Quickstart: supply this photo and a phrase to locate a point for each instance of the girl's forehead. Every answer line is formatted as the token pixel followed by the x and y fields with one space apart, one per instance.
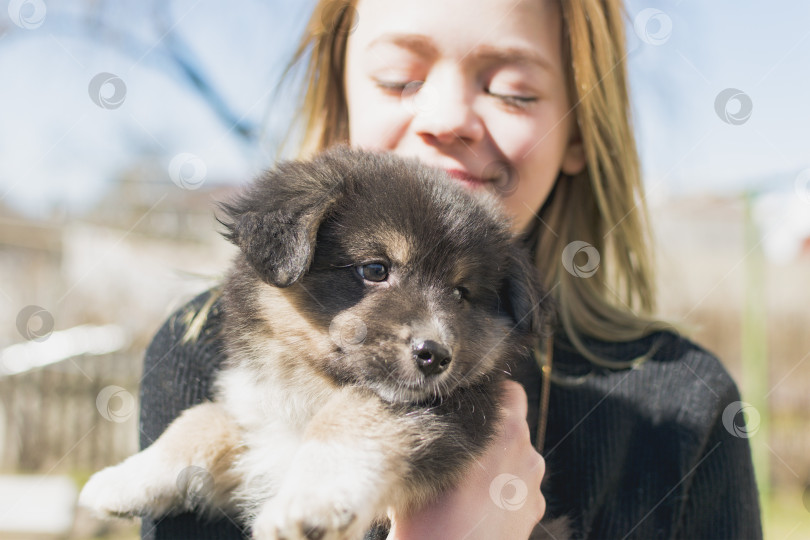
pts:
pixel 460 27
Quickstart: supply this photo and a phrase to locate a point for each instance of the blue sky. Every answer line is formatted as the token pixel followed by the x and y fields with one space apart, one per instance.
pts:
pixel 60 149
pixel 760 48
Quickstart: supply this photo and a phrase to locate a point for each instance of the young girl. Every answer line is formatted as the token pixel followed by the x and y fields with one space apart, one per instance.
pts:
pixel 527 98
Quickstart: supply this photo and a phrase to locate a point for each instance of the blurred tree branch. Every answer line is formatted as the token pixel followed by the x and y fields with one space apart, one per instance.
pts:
pixel 179 56
pixel 189 67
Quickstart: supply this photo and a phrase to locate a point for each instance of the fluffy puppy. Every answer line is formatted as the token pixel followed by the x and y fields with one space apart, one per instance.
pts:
pixel 372 309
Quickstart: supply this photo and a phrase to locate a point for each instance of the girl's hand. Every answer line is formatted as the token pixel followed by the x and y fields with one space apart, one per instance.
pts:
pixel 500 495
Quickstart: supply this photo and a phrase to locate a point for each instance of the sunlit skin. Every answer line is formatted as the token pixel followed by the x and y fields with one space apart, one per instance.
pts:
pixel 472 91
pixel 475 89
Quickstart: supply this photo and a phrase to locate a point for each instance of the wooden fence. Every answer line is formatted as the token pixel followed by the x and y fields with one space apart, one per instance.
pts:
pixel 79 414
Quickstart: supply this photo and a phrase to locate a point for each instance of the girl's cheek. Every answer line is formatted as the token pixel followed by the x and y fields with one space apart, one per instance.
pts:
pixel 370 118
pixel 516 141
pixel 528 138
pixel 379 128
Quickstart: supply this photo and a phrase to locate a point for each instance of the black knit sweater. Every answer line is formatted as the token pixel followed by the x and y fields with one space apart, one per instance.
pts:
pixel 631 453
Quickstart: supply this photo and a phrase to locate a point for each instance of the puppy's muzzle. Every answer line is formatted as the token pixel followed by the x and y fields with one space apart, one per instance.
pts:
pixel 431 357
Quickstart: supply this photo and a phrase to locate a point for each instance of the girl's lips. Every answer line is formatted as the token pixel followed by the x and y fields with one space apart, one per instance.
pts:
pixel 466 177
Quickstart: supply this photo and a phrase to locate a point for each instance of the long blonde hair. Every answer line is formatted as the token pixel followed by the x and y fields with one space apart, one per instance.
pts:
pixel 602 206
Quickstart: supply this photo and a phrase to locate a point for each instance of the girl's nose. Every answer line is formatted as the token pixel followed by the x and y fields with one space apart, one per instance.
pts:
pixel 443 111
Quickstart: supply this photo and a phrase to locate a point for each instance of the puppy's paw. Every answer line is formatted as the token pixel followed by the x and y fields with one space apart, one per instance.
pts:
pixel 132 488
pixel 331 492
pixel 307 517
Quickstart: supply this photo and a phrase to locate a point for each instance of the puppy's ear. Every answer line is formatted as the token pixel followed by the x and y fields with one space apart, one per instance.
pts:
pixel 532 309
pixel 275 222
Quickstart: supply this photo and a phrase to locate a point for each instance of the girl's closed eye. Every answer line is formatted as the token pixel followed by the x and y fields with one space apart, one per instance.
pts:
pixel 397 85
pixel 392 68
pixel 510 86
pixel 513 100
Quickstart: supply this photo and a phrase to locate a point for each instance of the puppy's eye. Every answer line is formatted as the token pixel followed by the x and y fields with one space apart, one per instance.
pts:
pixel 461 293
pixel 373 272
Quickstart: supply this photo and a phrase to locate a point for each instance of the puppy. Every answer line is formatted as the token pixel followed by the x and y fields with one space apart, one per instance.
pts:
pixel 370 314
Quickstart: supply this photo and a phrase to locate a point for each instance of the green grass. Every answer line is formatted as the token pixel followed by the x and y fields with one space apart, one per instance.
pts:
pixel 787 518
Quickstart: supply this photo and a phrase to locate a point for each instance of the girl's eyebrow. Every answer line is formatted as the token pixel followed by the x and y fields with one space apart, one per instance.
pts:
pixel 417 43
pixel 423 46
pixel 510 55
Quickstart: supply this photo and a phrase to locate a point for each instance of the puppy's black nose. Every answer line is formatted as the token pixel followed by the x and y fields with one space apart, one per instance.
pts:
pixel 431 358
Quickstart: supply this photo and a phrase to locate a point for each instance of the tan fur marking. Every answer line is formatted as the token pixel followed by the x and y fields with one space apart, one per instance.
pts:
pixel 289 325
pixel 399 247
pixel 205 436
pixel 463 271
pixel 351 415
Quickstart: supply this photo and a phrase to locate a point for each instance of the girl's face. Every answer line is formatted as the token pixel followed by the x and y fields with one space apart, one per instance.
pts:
pixel 475 88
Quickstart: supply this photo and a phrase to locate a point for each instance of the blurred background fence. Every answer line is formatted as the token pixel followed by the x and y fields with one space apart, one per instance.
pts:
pixel 79 414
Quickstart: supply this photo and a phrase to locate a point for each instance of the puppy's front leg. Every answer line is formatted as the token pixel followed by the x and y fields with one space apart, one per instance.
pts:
pixel 188 466
pixel 350 464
